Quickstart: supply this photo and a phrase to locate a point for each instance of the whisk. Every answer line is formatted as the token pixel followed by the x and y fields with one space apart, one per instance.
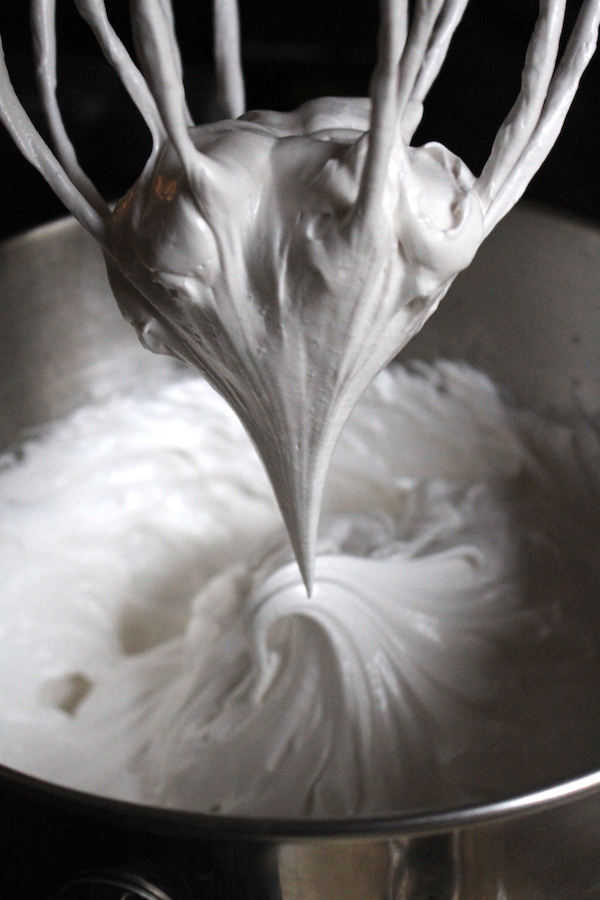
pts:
pixel 290 256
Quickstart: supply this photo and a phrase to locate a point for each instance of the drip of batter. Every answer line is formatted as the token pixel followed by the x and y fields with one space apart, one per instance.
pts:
pixel 289 257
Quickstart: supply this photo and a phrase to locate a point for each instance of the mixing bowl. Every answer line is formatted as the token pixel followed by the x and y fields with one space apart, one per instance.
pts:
pixel 528 313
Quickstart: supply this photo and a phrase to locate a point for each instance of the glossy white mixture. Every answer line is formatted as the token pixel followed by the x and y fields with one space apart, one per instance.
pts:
pixel 290 256
pixel 158 643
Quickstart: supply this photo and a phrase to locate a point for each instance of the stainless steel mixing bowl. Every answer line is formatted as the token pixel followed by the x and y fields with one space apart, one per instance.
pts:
pixel 528 313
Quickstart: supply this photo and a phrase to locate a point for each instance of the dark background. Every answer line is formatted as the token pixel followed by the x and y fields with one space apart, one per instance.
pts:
pixel 293 50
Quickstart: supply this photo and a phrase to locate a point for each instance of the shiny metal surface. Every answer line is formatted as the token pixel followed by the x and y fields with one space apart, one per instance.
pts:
pixel 63 341
pixel 528 313
pixel 109 886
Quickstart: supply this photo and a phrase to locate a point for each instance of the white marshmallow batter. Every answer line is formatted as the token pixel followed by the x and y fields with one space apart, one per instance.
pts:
pixel 158 644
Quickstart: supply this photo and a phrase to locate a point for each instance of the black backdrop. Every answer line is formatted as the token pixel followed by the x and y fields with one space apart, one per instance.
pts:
pixel 294 50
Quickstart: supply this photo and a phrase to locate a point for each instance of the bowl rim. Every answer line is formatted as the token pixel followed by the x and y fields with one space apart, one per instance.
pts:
pixel 185 823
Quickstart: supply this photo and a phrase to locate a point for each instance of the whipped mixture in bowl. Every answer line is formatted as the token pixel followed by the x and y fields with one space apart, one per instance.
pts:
pixel 159 644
